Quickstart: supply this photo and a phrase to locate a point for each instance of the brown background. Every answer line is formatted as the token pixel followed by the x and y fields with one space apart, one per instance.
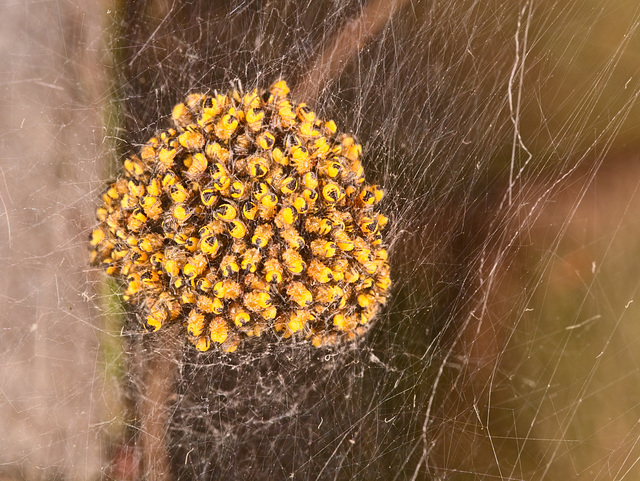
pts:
pixel 540 355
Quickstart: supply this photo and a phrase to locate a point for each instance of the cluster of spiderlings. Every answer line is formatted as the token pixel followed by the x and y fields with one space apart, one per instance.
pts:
pixel 251 214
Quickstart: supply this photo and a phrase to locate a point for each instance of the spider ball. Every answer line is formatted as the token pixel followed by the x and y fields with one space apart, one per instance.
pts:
pixel 251 214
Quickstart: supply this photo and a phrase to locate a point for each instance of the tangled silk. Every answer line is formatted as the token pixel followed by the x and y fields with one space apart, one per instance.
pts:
pixel 252 214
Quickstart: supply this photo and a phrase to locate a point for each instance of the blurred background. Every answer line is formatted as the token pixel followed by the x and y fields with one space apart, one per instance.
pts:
pixel 507 137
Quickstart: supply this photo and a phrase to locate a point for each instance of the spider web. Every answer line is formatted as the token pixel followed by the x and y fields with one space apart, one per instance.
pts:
pixel 505 136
